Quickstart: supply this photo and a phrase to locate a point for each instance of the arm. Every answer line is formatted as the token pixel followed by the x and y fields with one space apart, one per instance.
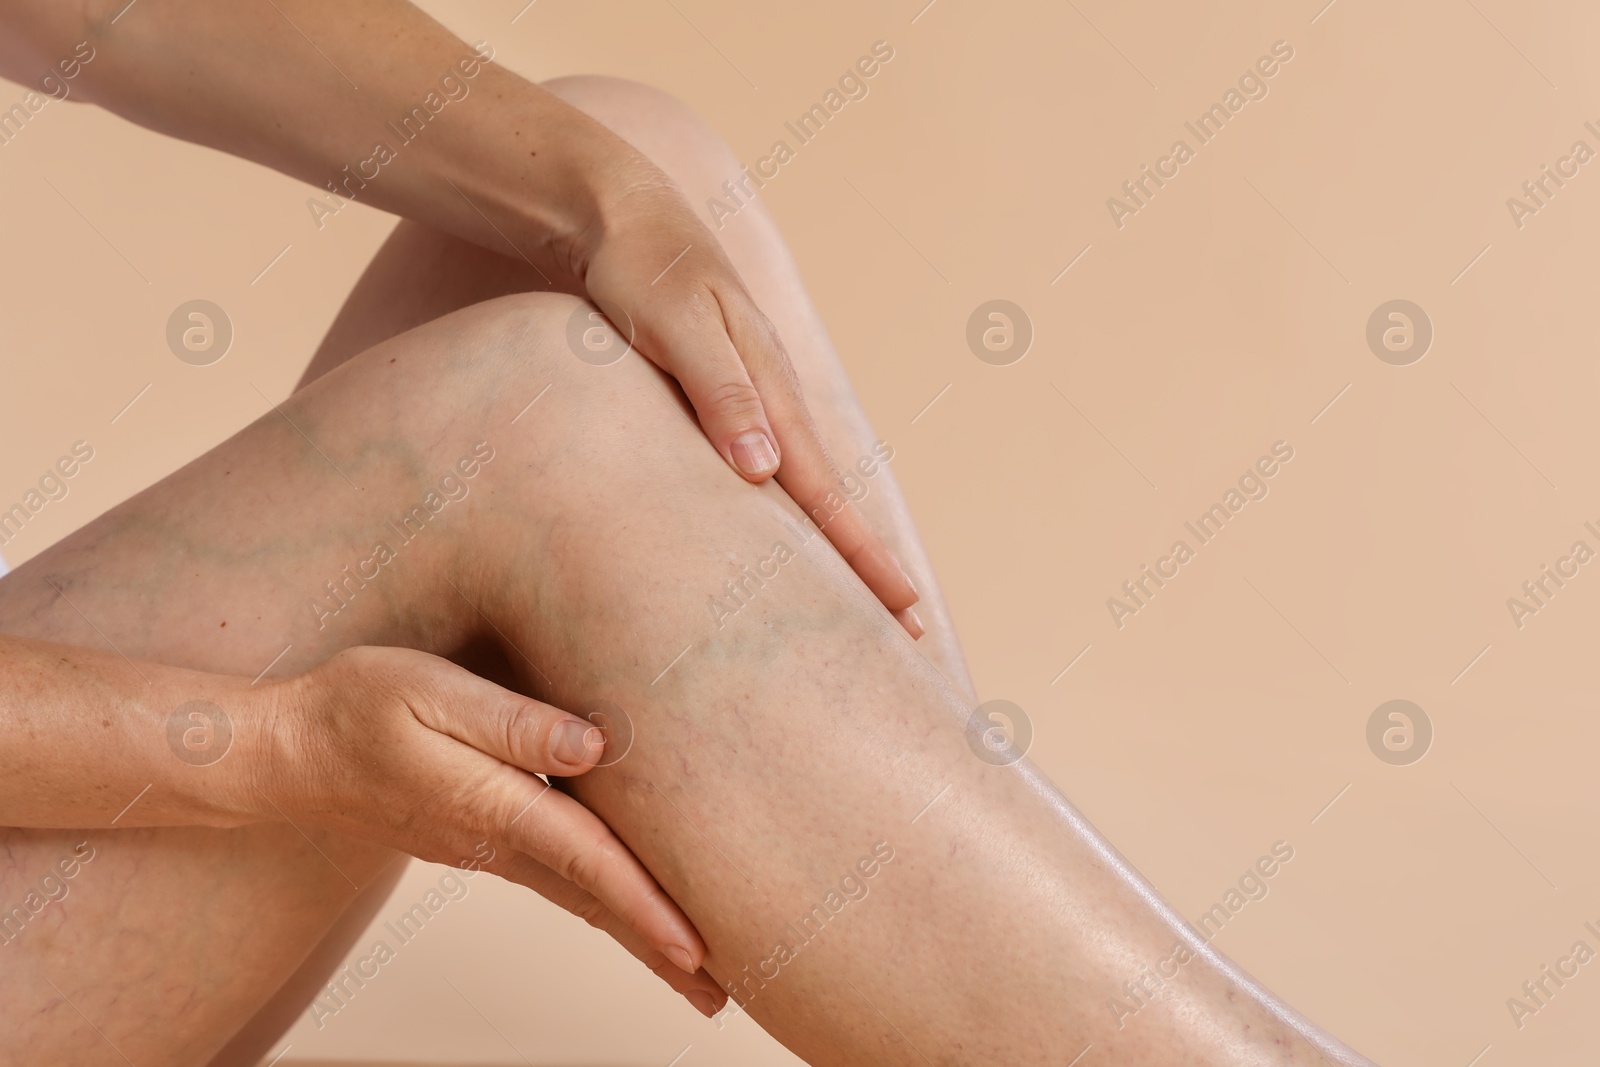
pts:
pixel 366 744
pixel 374 101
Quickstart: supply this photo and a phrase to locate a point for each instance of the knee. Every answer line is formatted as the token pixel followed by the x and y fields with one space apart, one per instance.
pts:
pixel 500 349
pixel 622 102
pixel 542 334
pixel 517 320
pixel 673 135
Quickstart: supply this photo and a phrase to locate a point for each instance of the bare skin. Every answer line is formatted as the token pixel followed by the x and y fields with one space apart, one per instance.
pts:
pixel 807 712
pixel 421 274
pixel 437 131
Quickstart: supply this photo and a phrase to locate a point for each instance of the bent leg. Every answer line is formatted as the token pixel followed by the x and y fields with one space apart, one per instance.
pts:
pixel 802 781
pixel 419 276
pixel 594 542
pixel 514 611
pixel 422 273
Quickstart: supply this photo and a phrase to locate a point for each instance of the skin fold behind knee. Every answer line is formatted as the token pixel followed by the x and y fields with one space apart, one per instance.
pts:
pixel 594 548
pixel 212 569
pixel 766 697
pixel 807 711
pixel 422 273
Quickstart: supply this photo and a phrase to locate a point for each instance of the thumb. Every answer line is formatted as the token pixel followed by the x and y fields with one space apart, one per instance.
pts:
pixel 514 729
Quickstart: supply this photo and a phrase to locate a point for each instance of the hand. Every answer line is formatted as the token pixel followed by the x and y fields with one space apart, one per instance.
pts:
pixel 599 218
pixel 413 752
pixel 652 263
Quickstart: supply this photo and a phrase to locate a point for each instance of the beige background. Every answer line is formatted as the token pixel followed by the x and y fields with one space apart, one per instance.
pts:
pixel 1223 317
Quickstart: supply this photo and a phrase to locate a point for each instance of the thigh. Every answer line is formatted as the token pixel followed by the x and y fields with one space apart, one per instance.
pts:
pixel 421 273
pixel 166 578
pixel 871 885
pixel 244 562
pixel 262 558
pixel 874 881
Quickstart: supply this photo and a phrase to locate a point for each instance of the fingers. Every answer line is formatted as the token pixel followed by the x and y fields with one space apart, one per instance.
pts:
pixel 522 732
pixel 736 374
pixel 660 270
pixel 808 474
pixel 681 328
pixel 500 737
pixel 549 825
pixel 911 621
pixel 572 841
pixel 699 988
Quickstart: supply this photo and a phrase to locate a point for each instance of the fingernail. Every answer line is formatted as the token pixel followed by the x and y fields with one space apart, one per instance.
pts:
pixel 909 620
pixel 702 1002
pixel 680 956
pixel 753 454
pixel 909 584
pixel 572 741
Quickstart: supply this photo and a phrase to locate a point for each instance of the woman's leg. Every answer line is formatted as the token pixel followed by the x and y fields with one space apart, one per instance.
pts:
pixel 421 274
pixel 800 778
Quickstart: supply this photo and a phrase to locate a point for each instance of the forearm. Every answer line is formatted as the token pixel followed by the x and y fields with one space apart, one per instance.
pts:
pixel 790 750
pixel 83 733
pixel 367 100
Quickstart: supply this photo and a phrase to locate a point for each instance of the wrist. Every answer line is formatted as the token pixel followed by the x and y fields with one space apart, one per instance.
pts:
pixel 533 170
pixel 196 749
pixel 233 750
pixel 265 778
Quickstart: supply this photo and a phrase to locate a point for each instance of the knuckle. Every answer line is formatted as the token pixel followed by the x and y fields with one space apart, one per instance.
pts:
pixel 579 864
pixel 699 306
pixel 525 731
pixel 445 810
pixel 591 911
pixel 734 398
